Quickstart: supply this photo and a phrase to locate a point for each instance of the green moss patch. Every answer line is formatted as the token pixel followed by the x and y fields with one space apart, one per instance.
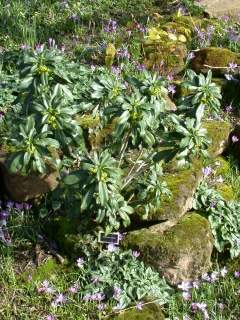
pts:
pixel 183 252
pixel 149 312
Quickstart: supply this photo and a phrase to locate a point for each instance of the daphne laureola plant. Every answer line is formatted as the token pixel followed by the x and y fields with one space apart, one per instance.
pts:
pixel 121 174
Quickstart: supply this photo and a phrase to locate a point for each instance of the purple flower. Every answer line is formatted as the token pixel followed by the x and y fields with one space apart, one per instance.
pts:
pixel 139 305
pixel 172 89
pixel 73 289
pixel 136 254
pixel 2 114
pixel 235 139
pixel 4 215
pixel 51 43
pixel 140 67
pixel 50 317
pixel 45 288
pixel 223 272
pixel 214 276
pixel 19 206
pixel 116 71
pixel 185 286
pixel 186 295
pixel 117 292
pixel 27 206
pixel 111 27
pixel 123 53
pixel 87 297
pixel 80 262
pixel 206 277
pixel 101 306
pixel 111 247
pixel 24 46
pixel 232 67
pixel 170 77
pixel 196 284
pixel 60 299
pixel 10 204
pixel 99 296
pixel 194 307
pixel 228 109
pixel 207 171
pixel 190 56
pixel 237 274
pixel 213 204
pixel 39 48
pixel 221 306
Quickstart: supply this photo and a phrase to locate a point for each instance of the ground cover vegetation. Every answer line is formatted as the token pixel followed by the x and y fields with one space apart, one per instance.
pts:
pixel 103 102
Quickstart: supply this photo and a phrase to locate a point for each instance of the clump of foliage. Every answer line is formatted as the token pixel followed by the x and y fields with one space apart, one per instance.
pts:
pixel 223 217
pixel 109 181
pixel 201 91
pixel 123 279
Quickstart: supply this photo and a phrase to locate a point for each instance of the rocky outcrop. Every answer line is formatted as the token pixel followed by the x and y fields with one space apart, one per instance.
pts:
pixel 182 253
pixel 23 188
pixel 221 7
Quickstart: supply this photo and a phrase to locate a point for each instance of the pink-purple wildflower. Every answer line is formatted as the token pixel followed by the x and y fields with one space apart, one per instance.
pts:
pixel 235 139
pixel 80 262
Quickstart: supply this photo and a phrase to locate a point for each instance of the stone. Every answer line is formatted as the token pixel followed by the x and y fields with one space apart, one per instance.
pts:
pixel 23 188
pixel 150 311
pixel 221 7
pixel 182 253
pixel 215 59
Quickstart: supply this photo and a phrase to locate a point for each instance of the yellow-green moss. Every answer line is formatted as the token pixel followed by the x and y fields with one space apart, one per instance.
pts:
pixel 49 269
pixel 150 312
pixel 221 166
pixel 218 132
pixel 226 191
pixel 88 121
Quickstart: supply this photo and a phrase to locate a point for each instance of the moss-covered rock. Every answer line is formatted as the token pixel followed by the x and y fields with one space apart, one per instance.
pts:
pixel 150 311
pixel 164 51
pixel 216 59
pixel 179 254
pixel 218 132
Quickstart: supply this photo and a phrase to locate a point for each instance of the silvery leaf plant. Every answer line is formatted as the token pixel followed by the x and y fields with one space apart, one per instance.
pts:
pixel 223 216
